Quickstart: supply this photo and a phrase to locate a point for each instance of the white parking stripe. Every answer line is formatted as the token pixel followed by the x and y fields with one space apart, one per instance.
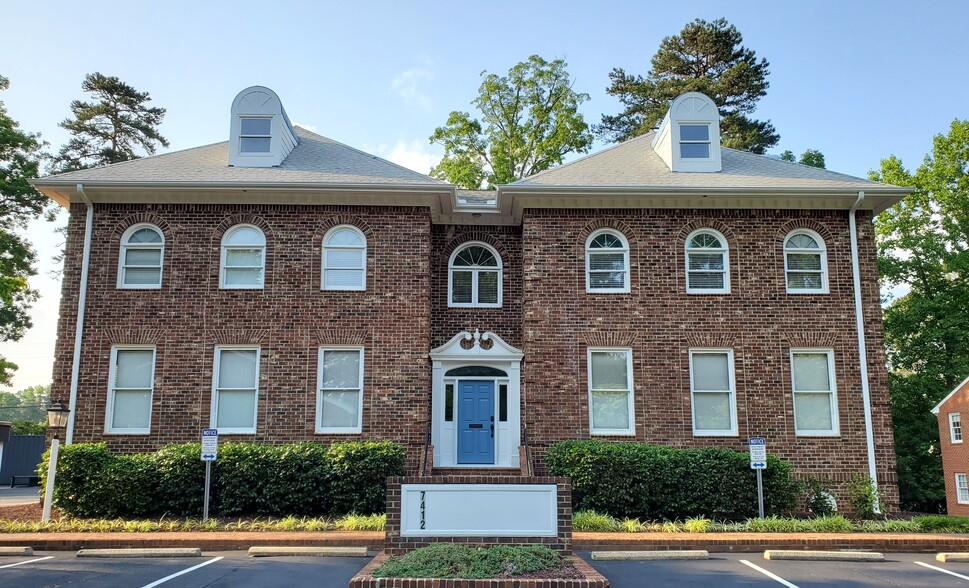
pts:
pixel 20 563
pixel 177 574
pixel 768 574
pixel 943 570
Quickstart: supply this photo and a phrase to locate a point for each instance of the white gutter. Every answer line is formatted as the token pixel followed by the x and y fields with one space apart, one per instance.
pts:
pixel 81 304
pixel 862 348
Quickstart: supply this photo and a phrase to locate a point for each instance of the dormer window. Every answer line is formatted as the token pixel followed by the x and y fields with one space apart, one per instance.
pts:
pixel 255 135
pixel 695 141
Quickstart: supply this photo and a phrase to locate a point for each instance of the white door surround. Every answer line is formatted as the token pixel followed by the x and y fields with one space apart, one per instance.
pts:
pixel 503 364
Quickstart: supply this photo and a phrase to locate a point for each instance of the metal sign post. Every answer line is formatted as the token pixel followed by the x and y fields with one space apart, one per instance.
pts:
pixel 210 451
pixel 758 462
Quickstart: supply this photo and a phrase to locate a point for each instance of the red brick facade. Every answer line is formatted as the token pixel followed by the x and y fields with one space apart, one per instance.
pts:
pixel 955 453
pixel 546 312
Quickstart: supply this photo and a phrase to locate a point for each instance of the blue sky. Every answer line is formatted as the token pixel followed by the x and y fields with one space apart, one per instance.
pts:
pixel 857 80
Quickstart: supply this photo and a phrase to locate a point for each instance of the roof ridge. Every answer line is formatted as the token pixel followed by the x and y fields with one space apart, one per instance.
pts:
pixel 583 158
pixel 371 155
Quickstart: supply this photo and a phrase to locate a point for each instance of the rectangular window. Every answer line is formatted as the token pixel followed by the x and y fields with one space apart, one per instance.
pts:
pixel 449 403
pixel 815 404
pixel 503 403
pixel 962 489
pixel 610 391
pixel 339 406
pixel 694 141
pixel 131 381
pixel 955 427
pixel 255 135
pixel 235 389
pixel 713 392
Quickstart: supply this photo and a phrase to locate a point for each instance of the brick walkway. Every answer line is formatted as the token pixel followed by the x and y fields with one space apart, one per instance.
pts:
pixel 714 542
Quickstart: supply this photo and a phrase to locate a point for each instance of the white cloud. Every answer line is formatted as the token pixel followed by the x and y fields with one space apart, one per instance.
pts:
pixel 410 154
pixel 310 128
pixel 406 85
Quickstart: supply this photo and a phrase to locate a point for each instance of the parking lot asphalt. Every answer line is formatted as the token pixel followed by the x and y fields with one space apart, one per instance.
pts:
pixel 232 569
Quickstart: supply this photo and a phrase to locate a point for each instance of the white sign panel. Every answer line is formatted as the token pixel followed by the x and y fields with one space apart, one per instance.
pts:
pixel 758 453
pixel 478 510
pixel 210 444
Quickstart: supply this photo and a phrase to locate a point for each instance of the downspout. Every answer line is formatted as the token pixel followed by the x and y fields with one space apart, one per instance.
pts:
pixel 862 348
pixel 81 305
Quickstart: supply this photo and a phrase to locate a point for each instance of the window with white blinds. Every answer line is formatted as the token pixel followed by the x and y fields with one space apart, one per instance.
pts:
pixel 815 401
pixel 805 263
pixel 713 392
pixel 606 262
pixel 707 263
pixel 243 262
pixel 339 405
pixel 235 389
pixel 344 259
pixel 131 382
pixel 610 391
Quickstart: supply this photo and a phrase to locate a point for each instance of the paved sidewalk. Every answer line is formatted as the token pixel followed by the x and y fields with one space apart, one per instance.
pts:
pixel 19 495
pixel 713 542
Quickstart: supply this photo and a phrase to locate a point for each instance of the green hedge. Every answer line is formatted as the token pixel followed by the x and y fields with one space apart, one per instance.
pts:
pixel 303 479
pixel 638 480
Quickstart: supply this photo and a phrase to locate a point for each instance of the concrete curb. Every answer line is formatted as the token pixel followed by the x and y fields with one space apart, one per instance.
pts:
pixel 650 555
pixel 778 554
pixel 952 557
pixel 16 551
pixel 135 552
pixel 265 551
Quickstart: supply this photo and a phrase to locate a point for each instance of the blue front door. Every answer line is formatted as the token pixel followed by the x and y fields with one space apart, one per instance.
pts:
pixel 476 422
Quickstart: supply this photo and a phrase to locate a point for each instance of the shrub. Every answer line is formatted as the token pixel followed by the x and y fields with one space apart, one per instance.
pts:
pixel 942 523
pixel 819 498
pixel 862 495
pixel 293 479
pixel 591 521
pixel 448 560
pixel 638 480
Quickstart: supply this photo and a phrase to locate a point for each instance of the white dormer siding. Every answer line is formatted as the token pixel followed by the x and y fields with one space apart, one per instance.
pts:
pixel 260 134
pixel 688 139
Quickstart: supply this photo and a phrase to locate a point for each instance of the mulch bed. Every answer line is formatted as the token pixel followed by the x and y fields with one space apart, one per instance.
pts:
pixel 22 513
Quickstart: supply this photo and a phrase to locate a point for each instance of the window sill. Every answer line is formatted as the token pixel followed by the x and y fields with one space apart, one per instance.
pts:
pixel 128 432
pixel 707 292
pixel 817 434
pixel 613 433
pixel 242 287
pixel 808 292
pixel 609 291
pixel 715 434
pixel 359 289
pixel 154 287
pixel 341 431
pixel 453 305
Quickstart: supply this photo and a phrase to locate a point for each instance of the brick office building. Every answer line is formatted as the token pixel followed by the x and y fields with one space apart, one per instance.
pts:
pixel 282 286
pixel 955 454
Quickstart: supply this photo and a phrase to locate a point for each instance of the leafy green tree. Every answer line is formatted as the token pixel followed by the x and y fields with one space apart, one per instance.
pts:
pixel 20 159
pixel 923 243
pixel 29 404
pixel 529 123
pixel 110 129
pixel 811 157
pixel 706 57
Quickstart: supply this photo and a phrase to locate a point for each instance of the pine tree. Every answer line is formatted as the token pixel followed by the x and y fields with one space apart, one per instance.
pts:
pixel 705 57
pixel 110 129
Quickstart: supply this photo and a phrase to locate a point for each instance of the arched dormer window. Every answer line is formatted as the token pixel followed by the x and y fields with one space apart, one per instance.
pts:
pixel 344 259
pixel 243 258
pixel 142 256
pixel 606 262
pixel 707 263
pixel 805 263
pixel 474 277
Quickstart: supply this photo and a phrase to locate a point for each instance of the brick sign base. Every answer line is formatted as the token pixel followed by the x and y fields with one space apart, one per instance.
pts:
pixel 397 544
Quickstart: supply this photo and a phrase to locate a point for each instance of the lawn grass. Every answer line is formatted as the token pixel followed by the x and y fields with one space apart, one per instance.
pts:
pixel 448 560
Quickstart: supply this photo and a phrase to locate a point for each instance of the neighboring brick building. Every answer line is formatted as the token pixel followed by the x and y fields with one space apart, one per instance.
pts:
pixel 282 286
pixel 955 453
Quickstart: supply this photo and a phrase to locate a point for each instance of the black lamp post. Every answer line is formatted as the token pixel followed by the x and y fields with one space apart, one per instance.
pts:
pixel 56 420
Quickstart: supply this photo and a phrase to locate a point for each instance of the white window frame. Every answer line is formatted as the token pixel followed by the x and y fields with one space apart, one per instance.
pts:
pixel 708 142
pixel 724 250
pixel 627 270
pixel 319 391
pixel 833 397
pixel 363 280
pixel 962 488
pixel 242 136
pixel 222 256
pixel 822 251
pixel 732 393
pixel 955 427
pixel 112 373
pixel 124 248
pixel 631 429
pixel 214 409
pixel 475 270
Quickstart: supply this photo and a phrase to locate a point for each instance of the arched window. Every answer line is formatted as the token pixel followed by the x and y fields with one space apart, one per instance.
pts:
pixel 344 259
pixel 474 277
pixel 243 258
pixel 707 263
pixel 142 254
pixel 606 262
pixel 805 263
